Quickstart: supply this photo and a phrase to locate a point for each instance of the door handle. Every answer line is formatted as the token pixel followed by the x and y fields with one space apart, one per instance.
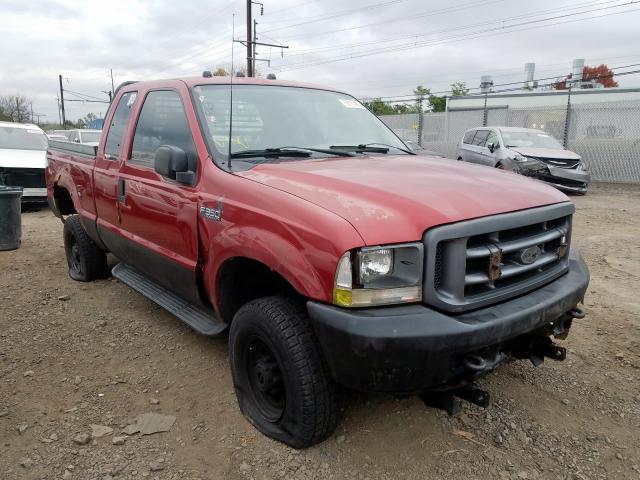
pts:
pixel 121 191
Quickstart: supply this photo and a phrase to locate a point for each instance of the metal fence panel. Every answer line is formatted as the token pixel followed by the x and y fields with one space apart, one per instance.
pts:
pixel 405 125
pixel 606 133
pixel 607 136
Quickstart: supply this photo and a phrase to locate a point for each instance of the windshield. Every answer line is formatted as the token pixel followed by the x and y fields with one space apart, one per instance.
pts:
pixel 22 139
pixel 530 139
pixel 266 116
pixel 90 136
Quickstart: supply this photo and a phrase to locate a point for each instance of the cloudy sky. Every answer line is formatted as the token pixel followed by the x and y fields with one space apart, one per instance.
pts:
pixel 366 47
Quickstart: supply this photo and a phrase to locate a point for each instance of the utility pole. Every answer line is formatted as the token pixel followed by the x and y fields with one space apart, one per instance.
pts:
pixel 253 56
pixel 249 42
pixel 31 105
pixel 64 120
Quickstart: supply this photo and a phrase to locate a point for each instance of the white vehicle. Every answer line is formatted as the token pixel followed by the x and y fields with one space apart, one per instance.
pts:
pixel 23 157
pixel 85 136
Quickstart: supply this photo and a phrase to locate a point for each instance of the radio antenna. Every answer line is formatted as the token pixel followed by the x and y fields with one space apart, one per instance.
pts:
pixel 233 34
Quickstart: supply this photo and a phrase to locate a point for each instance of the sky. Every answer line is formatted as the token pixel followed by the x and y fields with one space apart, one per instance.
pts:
pixel 370 48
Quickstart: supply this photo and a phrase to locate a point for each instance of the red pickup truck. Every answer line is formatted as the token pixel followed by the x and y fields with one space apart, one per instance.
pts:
pixel 292 217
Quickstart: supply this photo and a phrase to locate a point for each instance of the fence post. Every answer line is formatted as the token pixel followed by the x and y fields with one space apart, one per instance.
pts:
pixel 420 122
pixel 567 120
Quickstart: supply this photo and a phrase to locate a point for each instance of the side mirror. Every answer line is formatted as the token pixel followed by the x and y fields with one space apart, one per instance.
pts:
pixel 171 162
pixel 491 146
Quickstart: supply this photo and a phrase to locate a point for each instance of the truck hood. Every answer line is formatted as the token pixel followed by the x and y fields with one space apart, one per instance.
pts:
pixel 393 199
pixel 546 153
pixel 11 158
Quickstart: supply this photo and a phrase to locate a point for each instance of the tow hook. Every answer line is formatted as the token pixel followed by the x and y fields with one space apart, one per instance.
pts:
pixel 449 400
pixel 576 313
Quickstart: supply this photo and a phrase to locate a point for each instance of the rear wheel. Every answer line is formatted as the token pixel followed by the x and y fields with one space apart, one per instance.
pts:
pixel 85 259
pixel 281 379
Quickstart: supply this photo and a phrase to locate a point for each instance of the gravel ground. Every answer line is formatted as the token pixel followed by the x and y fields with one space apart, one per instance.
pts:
pixel 73 355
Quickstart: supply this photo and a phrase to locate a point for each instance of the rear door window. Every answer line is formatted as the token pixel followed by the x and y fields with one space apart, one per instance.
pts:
pixel 480 138
pixel 162 121
pixel 468 137
pixel 118 126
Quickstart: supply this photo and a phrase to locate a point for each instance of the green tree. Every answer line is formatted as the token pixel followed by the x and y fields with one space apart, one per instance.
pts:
pixel 421 93
pixel 459 89
pixel 220 72
pixel 379 107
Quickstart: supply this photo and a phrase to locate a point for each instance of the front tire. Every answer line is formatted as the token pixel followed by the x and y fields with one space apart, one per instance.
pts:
pixel 85 259
pixel 281 379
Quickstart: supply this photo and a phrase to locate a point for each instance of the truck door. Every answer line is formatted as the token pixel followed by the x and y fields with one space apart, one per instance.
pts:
pixel 106 172
pixel 158 216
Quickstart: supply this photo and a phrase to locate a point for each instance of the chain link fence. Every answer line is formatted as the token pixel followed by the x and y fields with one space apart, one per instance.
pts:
pixel 605 133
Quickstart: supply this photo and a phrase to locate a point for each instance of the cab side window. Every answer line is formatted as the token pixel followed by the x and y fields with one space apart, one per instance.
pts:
pixel 480 138
pixel 162 121
pixel 118 126
pixel 468 137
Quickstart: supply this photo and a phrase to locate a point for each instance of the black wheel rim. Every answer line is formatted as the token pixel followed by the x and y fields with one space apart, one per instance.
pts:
pixel 265 380
pixel 74 257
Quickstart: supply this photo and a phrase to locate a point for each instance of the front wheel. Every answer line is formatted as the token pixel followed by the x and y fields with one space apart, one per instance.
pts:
pixel 281 379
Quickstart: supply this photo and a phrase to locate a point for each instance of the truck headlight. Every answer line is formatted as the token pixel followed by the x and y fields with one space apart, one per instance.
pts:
pixel 379 276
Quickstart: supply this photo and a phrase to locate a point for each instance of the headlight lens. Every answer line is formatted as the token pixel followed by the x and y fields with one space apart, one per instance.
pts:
pixel 379 276
pixel 520 158
pixel 374 263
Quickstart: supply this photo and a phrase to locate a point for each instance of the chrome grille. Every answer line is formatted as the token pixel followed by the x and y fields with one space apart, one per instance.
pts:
pixel 486 260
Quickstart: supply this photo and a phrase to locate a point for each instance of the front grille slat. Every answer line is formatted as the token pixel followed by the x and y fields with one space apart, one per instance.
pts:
pixel 513 245
pixel 486 260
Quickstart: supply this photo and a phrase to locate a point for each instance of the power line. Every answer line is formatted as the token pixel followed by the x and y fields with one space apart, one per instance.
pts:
pixel 505 84
pixel 320 18
pixel 482 33
pixel 453 29
pixel 382 22
pixel 415 97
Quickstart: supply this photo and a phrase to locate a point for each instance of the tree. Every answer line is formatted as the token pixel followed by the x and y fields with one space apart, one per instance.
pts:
pixel 600 74
pixel 421 93
pixel 15 108
pixel 379 107
pixel 88 118
pixel 220 72
pixel 459 89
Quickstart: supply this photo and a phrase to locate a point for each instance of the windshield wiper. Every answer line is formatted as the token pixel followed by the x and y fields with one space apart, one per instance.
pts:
pixel 393 146
pixel 360 148
pixel 287 152
pixel 373 147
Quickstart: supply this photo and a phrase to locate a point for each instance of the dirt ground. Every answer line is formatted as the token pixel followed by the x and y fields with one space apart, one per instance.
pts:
pixel 74 354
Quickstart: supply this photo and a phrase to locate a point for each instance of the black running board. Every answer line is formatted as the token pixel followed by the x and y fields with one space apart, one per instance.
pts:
pixel 202 320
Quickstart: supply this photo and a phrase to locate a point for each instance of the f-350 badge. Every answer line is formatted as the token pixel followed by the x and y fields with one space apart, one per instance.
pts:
pixel 211 213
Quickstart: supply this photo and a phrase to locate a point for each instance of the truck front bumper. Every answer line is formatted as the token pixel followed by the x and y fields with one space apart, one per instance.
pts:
pixel 413 348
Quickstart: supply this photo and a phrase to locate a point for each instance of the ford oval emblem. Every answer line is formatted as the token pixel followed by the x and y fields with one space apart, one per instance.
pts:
pixel 530 255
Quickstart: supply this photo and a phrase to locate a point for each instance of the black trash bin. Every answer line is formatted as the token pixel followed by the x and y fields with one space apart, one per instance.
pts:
pixel 10 219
